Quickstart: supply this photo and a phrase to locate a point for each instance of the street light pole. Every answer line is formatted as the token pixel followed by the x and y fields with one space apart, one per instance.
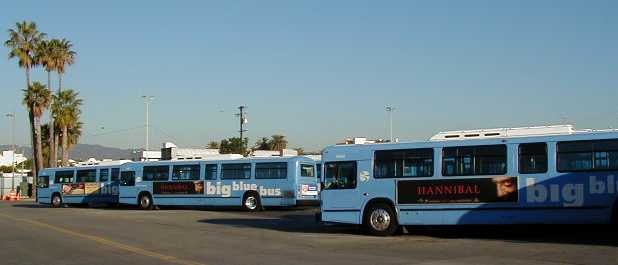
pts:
pixel 390 110
pixel 147 100
pixel 11 116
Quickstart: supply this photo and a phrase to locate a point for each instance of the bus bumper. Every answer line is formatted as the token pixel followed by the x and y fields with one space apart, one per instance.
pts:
pixel 307 203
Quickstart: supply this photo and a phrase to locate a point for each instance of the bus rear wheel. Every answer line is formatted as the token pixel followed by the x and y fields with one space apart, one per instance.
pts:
pixel 145 202
pixel 56 201
pixel 380 220
pixel 251 202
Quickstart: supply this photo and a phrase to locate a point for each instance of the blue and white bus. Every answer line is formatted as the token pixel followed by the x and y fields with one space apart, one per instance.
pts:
pixel 251 183
pixel 532 175
pixel 80 185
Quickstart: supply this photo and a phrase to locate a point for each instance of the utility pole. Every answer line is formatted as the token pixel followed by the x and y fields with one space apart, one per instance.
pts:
pixel 147 101
pixel 11 116
pixel 390 110
pixel 243 120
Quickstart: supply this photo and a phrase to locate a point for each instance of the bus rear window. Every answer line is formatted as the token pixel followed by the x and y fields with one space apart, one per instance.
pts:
pixel 307 170
pixel 340 175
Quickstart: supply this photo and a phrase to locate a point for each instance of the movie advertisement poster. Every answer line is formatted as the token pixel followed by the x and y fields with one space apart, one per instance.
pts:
pixel 471 190
pixel 181 187
pixel 92 188
pixel 74 189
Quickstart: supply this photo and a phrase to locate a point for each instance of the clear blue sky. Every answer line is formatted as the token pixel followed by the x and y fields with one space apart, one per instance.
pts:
pixel 320 71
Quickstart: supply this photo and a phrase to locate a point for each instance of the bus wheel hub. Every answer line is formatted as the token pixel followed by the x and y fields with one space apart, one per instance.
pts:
pixel 380 219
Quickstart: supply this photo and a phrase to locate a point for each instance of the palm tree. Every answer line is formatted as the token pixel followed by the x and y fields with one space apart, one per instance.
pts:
pixel 75 133
pixel 23 41
pixel 65 57
pixel 46 55
pixel 36 99
pixel 278 142
pixel 67 111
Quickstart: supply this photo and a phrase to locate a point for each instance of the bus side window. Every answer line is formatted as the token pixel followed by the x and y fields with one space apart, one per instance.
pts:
pixel 64 176
pixel 89 175
pixel 532 158
pixel 318 170
pixel 340 175
pixel 104 175
pixel 115 174
pixel 127 178
pixel 211 171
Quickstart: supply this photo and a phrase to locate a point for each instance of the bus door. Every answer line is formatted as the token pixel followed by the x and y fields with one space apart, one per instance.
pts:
pixel 340 186
pixel 127 190
pixel 43 191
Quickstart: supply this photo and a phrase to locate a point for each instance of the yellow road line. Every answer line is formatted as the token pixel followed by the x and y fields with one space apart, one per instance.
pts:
pixel 105 242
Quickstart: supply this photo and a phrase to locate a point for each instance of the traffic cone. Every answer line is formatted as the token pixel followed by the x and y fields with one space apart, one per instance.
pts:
pixel 12 195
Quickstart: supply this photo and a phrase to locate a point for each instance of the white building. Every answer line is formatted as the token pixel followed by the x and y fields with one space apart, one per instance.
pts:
pixel 276 153
pixel 6 158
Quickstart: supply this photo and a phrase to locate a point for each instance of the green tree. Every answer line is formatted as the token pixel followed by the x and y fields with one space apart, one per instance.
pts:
pixel 233 145
pixel 67 110
pixel 263 144
pixel 36 99
pixel 23 41
pixel 278 142
pixel 6 169
pixel 213 145
pixel 300 151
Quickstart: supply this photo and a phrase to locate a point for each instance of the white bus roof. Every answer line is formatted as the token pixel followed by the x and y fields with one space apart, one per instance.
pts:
pixel 504 132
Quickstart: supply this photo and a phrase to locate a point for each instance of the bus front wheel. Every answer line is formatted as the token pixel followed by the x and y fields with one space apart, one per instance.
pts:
pixel 145 202
pixel 251 202
pixel 380 220
pixel 56 201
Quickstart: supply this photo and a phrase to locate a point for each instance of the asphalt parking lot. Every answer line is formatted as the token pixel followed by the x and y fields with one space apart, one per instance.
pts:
pixel 35 234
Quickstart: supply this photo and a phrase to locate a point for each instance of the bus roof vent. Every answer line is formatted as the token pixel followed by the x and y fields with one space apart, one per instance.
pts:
pixel 504 132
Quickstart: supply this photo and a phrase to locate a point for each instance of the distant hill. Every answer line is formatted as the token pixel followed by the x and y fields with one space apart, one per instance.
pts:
pixel 84 151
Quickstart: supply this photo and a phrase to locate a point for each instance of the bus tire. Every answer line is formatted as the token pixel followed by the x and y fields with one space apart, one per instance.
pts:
pixel 251 202
pixel 380 220
pixel 145 201
pixel 56 201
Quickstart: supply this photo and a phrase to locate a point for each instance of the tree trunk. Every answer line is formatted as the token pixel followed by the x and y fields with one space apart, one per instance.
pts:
pixel 35 171
pixel 52 142
pixel 65 146
pixel 57 146
pixel 28 82
pixel 39 143
pixel 59 83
